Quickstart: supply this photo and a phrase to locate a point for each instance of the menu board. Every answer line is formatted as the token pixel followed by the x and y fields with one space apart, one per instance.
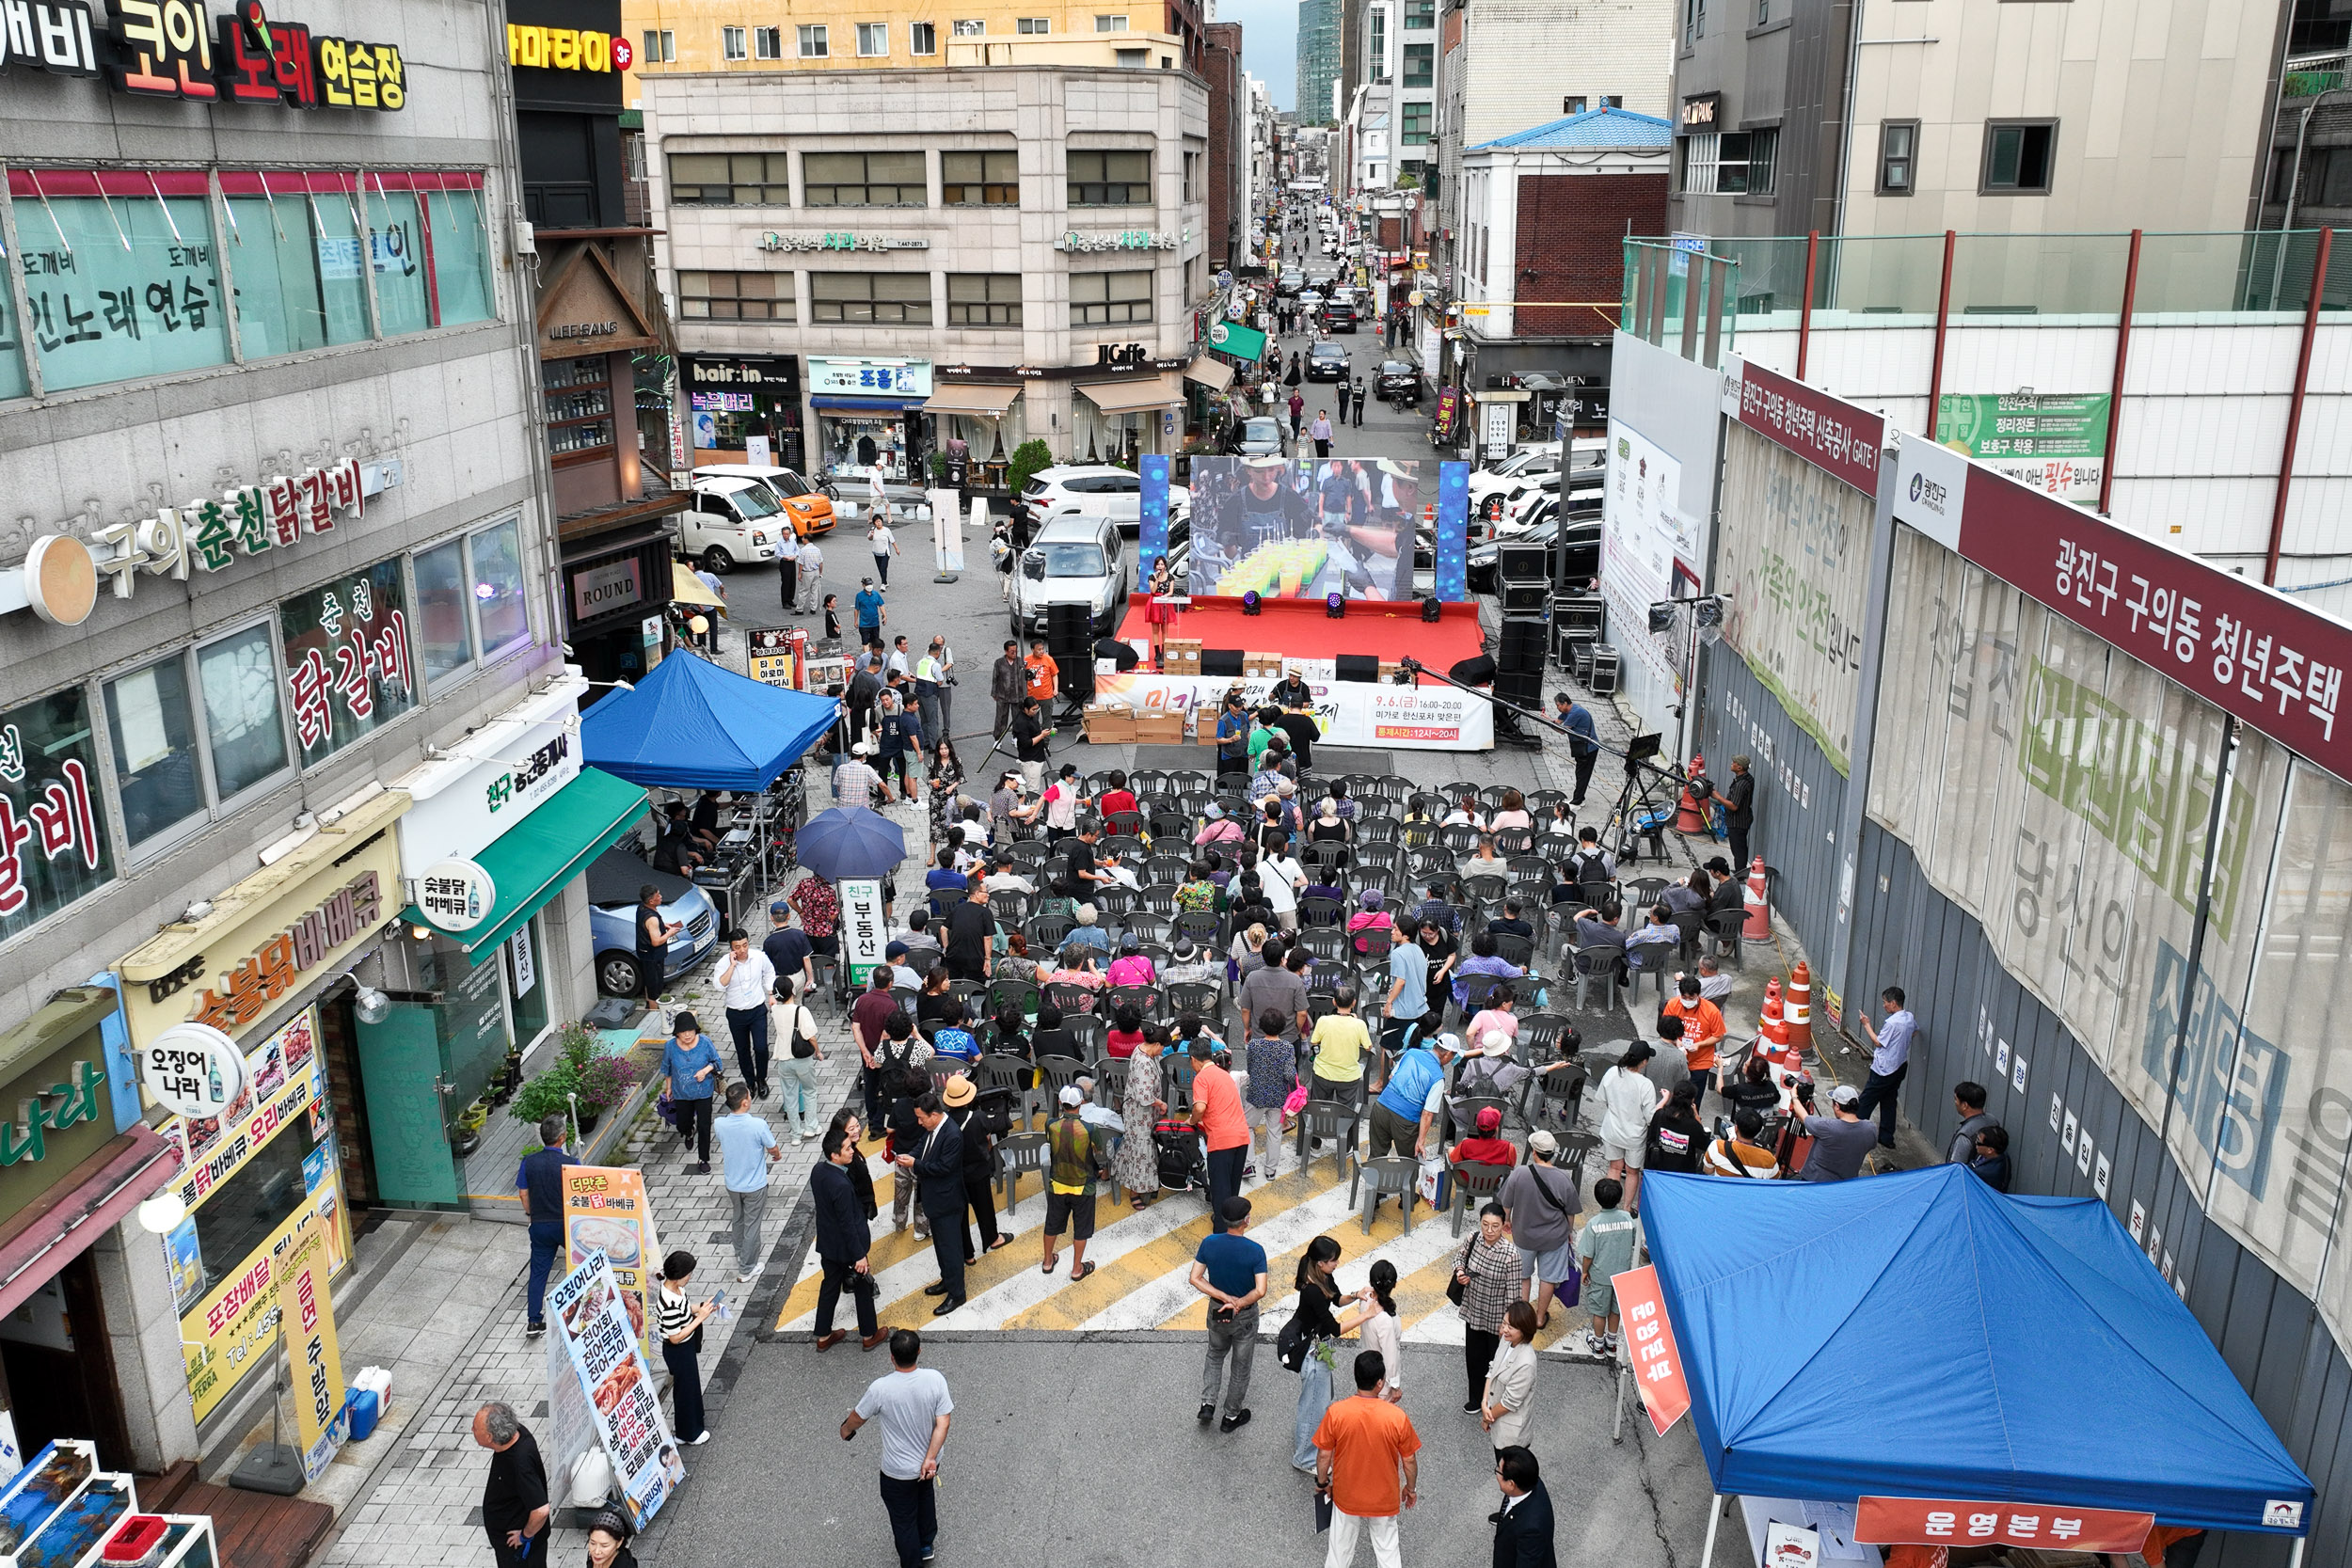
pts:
pixel 586 1309
pixel 605 1212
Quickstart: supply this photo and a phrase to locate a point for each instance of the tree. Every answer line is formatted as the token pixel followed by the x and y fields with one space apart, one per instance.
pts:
pixel 1028 458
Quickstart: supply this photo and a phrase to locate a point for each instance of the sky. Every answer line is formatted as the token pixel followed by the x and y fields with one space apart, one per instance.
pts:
pixel 1269 43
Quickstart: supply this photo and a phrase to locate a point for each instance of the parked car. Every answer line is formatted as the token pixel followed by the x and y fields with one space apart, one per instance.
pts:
pixel 1583 531
pixel 614 881
pixel 806 504
pixel 1310 298
pixel 1339 316
pixel 1291 281
pixel 1580 489
pixel 1263 436
pixel 1400 382
pixel 1074 559
pixel 1095 490
pixel 734 522
pixel 1490 487
pixel 1327 362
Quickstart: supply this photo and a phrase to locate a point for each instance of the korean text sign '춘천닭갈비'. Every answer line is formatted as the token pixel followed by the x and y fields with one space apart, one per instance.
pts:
pixel 585 1309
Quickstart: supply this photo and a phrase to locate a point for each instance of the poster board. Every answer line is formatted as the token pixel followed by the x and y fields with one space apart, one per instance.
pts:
pixel 2054 441
pixel 776 654
pixel 587 1311
pixel 316 1364
pixel 606 1215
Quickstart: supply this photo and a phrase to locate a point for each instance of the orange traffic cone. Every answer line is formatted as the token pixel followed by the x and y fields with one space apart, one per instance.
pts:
pixel 1689 818
pixel 1801 1008
pixel 1773 1029
pixel 1759 925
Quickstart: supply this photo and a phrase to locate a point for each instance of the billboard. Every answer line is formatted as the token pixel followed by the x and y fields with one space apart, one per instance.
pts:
pixel 1305 528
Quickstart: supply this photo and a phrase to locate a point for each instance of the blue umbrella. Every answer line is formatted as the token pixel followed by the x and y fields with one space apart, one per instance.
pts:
pixel 850 841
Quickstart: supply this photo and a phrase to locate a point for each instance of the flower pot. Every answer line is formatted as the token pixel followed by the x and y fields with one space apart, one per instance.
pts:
pixel 463 1144
pixel 588 1120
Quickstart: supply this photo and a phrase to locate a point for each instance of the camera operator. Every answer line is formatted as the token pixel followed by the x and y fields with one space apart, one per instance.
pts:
pixel 1841 1140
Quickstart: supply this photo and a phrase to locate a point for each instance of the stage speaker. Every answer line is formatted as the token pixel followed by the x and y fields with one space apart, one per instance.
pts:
pixel 1357 667
pixel 1524 598
pixel 1474 672
pixel 1522 688
pixel 1604 677
pixel 1522 645
pixel 1523 563
pixel 1220 662
pixel 1069 638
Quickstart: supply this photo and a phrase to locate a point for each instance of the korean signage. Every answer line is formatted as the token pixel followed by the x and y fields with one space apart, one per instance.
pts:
pixel 1115 238
pixel 862 925
pixel 606 1215
pixel 176 49
pixel 605 587
pixel 1941 1522
pixel 306 1317
pixel 585 1308
pixel 1649 1344
pixel 776 654
pixel 2056 442
pixel 349 669
pixel 229 1334
pixel 870 377
pixel 567 48
pixel 1378 715
pixel 212 533
pixel 280 1084
pixel 839 239
pixel 1827 431
pixel 51 850
pixel 456 895
pixel 193 1069
pixel 512 765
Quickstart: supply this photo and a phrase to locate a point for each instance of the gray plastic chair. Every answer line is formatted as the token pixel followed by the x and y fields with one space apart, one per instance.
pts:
pixel 1596 965
pixel 1390 1175
pixel 1336 1124
pixel 1473 1184
pixel 1017 1152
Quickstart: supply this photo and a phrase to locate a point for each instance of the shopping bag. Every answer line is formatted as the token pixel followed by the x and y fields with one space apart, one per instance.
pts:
pixel 1296 1101
pixel 1431 1178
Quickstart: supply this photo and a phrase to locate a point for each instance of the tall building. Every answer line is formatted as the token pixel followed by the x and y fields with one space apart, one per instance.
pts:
pixel 1319 30
pixel 702 36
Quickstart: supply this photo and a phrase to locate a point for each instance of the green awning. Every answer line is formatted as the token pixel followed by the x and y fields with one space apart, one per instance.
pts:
pixel 1245 343
pixel 537 858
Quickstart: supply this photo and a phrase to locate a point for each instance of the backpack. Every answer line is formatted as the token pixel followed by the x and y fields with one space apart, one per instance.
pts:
pixel 1182 1165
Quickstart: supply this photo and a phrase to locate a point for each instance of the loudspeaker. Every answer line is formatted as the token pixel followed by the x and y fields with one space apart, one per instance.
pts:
pixel 1522 689
pixel 1069 631
pixel 1474 671
pixel 1604 677
pixel 1524 598
pixel 1357 667
pixel 1523 646
pixel 1220 662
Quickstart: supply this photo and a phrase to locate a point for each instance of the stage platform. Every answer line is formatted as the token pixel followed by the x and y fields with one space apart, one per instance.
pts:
pixel 1300 628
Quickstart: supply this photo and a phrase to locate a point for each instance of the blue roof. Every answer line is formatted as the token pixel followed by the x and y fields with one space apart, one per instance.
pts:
pixel 1592 128
pixel 692 724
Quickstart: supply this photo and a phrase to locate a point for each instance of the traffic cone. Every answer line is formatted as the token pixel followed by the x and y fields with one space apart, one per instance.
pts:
pixel 1759 925
pixel 1688 818
pixel 1773 1029
pixel 1801 1008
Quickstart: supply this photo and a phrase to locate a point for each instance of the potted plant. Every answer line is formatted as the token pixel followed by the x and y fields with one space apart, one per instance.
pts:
pixel 604 1084
pixel 1028 458
pixel 549 1094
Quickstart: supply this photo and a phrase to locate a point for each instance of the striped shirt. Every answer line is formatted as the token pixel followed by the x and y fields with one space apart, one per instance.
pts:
pixel 673 1313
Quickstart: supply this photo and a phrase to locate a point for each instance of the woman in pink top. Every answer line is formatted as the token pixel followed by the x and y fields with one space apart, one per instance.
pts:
pixel 1372 916
pixel 1132 967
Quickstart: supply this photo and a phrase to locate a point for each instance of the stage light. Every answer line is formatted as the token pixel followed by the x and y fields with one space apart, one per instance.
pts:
pixel 1661 618
pixel 1709 612
pixel 1335 605
pixel 1250 603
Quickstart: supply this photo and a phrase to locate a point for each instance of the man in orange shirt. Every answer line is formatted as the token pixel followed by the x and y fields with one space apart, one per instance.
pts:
pixel 1224 1130
pixel 1365 1461
pixel 1702 1025
pixel 1044 675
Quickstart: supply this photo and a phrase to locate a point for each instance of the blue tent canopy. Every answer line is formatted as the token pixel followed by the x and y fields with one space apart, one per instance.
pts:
pixel 1921 1334
pixel 692 725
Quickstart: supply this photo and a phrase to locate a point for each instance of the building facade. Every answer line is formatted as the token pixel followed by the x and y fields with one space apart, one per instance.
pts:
pixel 994 254
pixel 1321 23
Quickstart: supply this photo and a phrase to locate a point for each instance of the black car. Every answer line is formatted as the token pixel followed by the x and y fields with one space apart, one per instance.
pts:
pixel 1583 563
pixel 1400 382
pixel 1339 317
pixel 1327 362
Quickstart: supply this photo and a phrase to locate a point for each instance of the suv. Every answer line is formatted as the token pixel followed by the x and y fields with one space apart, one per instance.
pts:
pixel 614 881
pixel 1400 382
pixel 1327 362
pixel 807 506
pixel 734 522
pixel 1093 490
pixel 1339 316
pixel 1074 559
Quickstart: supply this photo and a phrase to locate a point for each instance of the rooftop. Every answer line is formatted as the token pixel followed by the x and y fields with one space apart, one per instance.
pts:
pixel 1602 128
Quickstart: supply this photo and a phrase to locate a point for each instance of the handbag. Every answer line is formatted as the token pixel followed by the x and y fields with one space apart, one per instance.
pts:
pixel 1456 1288
pixel 803 1047
pixel 1296 1100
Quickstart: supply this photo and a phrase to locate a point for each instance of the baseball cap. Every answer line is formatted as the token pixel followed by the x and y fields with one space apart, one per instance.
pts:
pixel 1542 1142
pixel 895 950
pixel 1070 1095
pixel 1846 1094
pixel 1489 1119
pixel 1450 1043
pixel 779 909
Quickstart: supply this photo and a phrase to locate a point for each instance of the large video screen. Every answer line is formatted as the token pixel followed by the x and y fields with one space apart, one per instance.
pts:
pixel 1303 528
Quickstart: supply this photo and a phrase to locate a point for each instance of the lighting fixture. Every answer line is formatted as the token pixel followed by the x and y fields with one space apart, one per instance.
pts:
pixel 161 1215
pixel 1431 610
pixel 1710 611
pixel 1250 603
pixel 370 1005
pixel 1335 605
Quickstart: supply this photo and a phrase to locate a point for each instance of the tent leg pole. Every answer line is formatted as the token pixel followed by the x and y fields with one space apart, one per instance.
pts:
pixel 2294 1558
pixel 1616 1427
pixel 1714 1517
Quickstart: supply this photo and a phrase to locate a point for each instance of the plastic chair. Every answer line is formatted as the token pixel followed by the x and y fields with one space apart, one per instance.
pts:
pixel 1168 870
pixel 1486 887
pixel 1176 1075
pixel 1069 997
pixel 1013 994
pixel 1726 926
pixel 1689 923
pixel 1396 1176
pixel 1125 825
pixel 1478 993
pixel 1047 932
pixel 1316 912
pixel 1154 925
pixel 1336 1125
pixel 1649 961
pixel 1540 1035
pixel 1201 926
pixel 1475 1182
pixel 1458 840
pixel 1642 893
pixel 1490 796
pixel 1194 996
pixel 923 961
pixel 1515 841
pixel 1596 965
pixel 1054 1075
pixel 1145 1000
pixel 1017 1152
pixel 1091 1034
pixel 1518 952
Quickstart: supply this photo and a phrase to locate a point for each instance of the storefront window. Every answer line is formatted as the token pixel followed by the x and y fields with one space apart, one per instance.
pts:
pixel 152 726
pixel 13 382
pixel 397 251
pixel 441 629
pixel 52 849
pixel 238 677
pixel 348 666
pixel 296 260
pixel 118 286
pixel 861 444
pixel 240 1215
pixel 461 258
pixel 578 399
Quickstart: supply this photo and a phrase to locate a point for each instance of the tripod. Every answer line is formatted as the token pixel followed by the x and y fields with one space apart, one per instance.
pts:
pixel 1626 831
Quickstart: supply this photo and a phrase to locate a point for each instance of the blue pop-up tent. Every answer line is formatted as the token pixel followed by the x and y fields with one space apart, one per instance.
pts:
pixel 1922 1335
pixel 692 725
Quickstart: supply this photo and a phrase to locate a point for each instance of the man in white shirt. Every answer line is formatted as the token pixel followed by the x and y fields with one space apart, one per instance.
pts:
pixel 748 980
pixel 804 600
pixel 855 782
pixel 1003 878
pixel 1714 985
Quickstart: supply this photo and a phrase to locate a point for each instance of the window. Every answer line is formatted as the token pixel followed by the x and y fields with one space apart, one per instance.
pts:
pixel 1614 101
pixel 1030 25
pixel 404 302
pixel 660 48
pixel 970 28
pixel 1731 163
pixel 873 38
pixel 53 735
pixel 151 722
pixel 1131 59
pixel 813 42
pixel 984 299
pixel 1693 22
pixel 1573 105
pixel 870 298
pixel 348 669
pixel 460 254
pixel 730 180
pixel 731 43
pixel 114 293
pixel 1111 178
pixel 1763 11
pixel 863 179
pixel 1420 64
pixel 1377 53
pixel 296 261
pixel 1110 24
pixel 2328 178
pixel 469 599
pixel 768 43
pixel 980 179
pixel 922 37
pixel 750 296
pixel 1417 120
pixel 2017 156
pixel 1898 156
pixel 1109 298
pixel 1420 15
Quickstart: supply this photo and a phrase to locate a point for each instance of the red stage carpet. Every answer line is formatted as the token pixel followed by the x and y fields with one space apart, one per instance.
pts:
pixel 1300 628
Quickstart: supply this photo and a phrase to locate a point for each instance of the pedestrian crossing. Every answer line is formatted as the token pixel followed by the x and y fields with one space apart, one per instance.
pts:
pixel 1141 1261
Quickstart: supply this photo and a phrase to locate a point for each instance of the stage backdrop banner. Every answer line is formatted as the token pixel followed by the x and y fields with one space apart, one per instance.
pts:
pixel 1303 528
pixel 1372 714
pixel 1151 510
pixel 1649 549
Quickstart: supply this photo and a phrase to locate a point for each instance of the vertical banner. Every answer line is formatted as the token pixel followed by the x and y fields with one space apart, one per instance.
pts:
pixel 317 1365
pixel 587 1308
pixel 1452 533
pixel 863 926
pixel 1649 550
pixel 606 1215
pixel 1151 509
pixel 946 533
pixel 1649 1342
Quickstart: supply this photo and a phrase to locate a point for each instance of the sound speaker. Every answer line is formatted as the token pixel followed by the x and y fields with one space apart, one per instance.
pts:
pixel 1069 631
pixel 1523 646
pixel 1357 667
pixel 1604 677
pixel 1522 689
pixel 1524 598
pixel 1474 672
pixel 1220 662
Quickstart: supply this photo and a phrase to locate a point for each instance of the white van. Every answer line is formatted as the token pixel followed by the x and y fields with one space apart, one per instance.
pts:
pixel 1074 559
pixel 734 522
pixel 810 508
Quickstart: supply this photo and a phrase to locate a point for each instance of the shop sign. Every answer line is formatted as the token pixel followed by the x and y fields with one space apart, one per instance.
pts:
pixel 614 585
pixel 567 48
pixel 174 49
pixel 282 1083
pixel 230 1332
pixel 870 377
pixel 463 804
pixel 862 925
pixel 249 967
pixel 606 1215
pixel 210 534
pixel 585 329
pixel 1941 1522
pixel 58 1107
pixel 702 371
pixel 1698 113
pixel 306 1316
pixel 193 1069
pixel 586 1307
pixel 51 851
pixel 1118 239
pixel 774 652
pixel 456 895
pixel 840 240
pixel 348 666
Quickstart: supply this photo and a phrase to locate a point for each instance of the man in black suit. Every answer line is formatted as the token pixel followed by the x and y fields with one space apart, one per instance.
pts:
pixel 1523 1529
pixel 842 1241
pixel 937 1170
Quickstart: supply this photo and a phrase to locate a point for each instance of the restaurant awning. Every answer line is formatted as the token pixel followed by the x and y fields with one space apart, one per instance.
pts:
pixel 967 397
pixel 1243 343
pixel 686 588
pixel 100 1194
pixel 1134 394
pixel 1215 374
pixel 537 858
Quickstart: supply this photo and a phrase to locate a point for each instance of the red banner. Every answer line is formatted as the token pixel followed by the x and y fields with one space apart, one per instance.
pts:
pixel 1829 433
pixel 1650 1341
pixel 1942 1522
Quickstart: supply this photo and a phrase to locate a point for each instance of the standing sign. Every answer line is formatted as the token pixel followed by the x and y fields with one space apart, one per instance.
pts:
pixel 1941 1522
pixel 774 654
pixel 606 1215
pixel 756 451
pixel 862 925
pixel 1498 431
pixel 947 532
pixel 309 1319
pixel 1787 1545
pixel 1650 1341
pixel 587 1308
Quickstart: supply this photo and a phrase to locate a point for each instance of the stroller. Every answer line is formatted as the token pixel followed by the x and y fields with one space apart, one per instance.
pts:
pixel 1183 1167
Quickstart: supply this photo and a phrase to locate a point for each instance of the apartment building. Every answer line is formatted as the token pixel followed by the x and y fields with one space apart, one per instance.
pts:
pixel 703 37
pixel 2307 181
pixel 1394 47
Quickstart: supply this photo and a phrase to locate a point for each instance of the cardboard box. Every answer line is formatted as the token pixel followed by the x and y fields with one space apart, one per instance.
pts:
pixel 1204 729
pixel 1159 728
pixel 1110 725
